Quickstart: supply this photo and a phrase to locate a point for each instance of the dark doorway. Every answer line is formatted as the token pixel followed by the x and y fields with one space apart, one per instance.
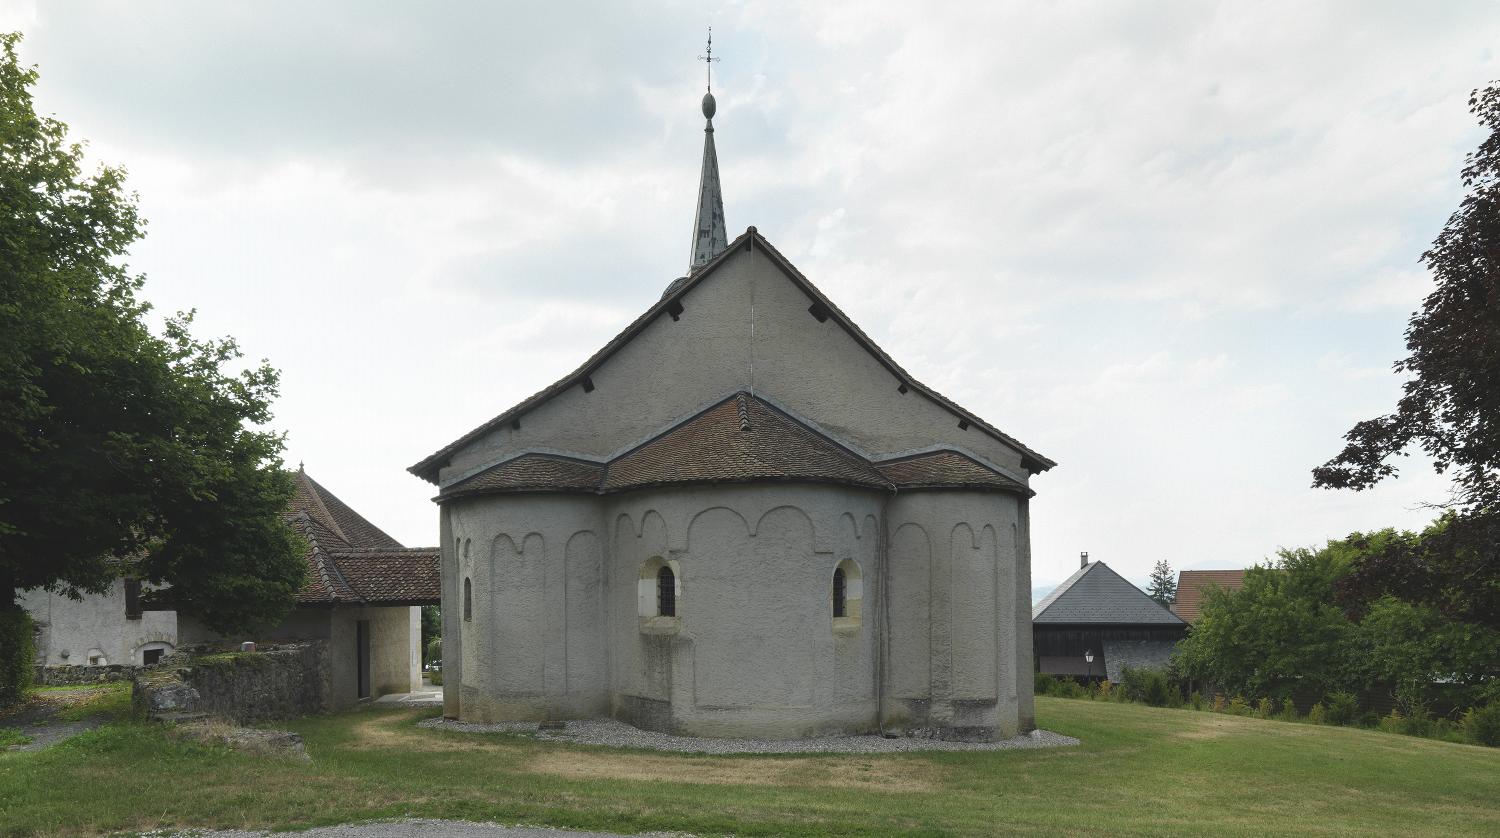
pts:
pixel 362 653
pixel 151 657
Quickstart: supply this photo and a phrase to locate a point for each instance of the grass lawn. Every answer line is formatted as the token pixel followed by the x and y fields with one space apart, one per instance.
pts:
pixel 1140 770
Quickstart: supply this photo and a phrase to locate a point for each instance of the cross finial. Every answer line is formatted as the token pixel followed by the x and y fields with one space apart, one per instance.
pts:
pixel 709 58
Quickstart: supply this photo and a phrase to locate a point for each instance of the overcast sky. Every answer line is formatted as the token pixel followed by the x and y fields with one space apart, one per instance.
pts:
pixel 1172 246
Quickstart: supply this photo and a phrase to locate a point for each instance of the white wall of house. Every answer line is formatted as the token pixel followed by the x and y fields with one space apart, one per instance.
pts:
pixel 96 630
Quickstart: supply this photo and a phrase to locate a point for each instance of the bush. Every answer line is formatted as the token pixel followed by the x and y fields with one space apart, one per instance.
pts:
pixel 1195 700
pixel 1482 725
pixel 1068 688
pixel 434 650
pixel 17 655
pixel 1237 707
pixel 1263 707
pixel 1103 689
pixel 1316 714
pixel 1445 730
pixel 1343 708
pixel 435 677
pixel 1148 686
pixel 1288 711
pixel 1044 684
pixel 1219 705
pixel 1394 723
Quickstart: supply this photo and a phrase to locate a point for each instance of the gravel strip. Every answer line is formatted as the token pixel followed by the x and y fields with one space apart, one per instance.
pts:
pixel 617 734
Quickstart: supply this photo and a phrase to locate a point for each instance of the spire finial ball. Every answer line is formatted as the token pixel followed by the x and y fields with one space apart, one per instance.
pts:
pixel 708 105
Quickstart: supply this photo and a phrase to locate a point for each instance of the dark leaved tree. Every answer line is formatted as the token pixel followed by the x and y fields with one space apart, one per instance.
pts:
pixel 1449 408
pixel 117 443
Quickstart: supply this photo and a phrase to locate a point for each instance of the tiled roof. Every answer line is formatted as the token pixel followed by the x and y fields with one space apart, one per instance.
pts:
pixel 1096 594
pixel 1193 584
pixel 532 473
pixel 350 560
pixel 391 577
pixel 428 468
pixel 946 470
pixel 740 439
pixel 349 527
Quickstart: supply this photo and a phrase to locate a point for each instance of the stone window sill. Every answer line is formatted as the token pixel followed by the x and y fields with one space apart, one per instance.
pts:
pixel 846 625
pixel 661 625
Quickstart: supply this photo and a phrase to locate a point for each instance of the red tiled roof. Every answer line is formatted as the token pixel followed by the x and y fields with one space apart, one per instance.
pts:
pixel 946 470
pixel 428 468
pixel 391 577
pixel 740 439
pixel 350 560
pixel 531 473
pixel 1193 584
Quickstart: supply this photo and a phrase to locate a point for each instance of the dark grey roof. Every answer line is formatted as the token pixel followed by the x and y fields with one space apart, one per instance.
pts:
pixel 1096 594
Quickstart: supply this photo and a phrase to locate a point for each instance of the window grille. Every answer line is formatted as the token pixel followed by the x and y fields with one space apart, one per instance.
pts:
pixel 666 592
pixel 840 599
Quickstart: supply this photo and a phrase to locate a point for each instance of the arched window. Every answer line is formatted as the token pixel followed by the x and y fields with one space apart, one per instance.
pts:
pixel 468 599
pixel 840 594
pixel 666 592
pixel 848 596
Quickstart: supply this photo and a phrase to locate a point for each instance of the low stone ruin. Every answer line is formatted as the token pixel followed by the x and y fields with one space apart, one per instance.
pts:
pixel 275 682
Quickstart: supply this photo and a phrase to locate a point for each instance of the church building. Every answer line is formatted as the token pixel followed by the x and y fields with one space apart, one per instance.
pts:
pixel 740 517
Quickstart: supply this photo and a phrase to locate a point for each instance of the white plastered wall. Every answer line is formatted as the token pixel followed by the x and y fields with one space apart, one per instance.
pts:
pixel 673 368
pixel 96 623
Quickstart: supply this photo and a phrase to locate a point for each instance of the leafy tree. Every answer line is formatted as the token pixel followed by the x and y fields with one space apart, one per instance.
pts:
pixel 1285 629
pixel 1412 647
pixel 1450 408
pixel 116 443
pixel 432 628
pixel 1163 587
pixel 1281 630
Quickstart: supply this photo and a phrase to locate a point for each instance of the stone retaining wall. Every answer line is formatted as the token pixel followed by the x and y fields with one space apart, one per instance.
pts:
pixel 1136 654
pixel 273 683
pixel 66 676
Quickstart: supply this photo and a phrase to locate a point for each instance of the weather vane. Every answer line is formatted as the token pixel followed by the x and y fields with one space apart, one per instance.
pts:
pixel 709 58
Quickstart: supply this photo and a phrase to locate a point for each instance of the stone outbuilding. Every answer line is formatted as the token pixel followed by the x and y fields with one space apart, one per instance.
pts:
pixel 740 517
pixel 1096 613
pixel 362 599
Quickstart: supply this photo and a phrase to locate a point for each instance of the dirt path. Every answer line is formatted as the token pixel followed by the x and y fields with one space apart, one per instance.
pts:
pixel 37 718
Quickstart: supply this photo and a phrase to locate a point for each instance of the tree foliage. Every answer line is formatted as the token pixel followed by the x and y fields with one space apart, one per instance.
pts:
pixel 117 443
pixel 1285 630
pixel 1280 630
pixel 1449 408
pixel 432 628
pixel 1163 587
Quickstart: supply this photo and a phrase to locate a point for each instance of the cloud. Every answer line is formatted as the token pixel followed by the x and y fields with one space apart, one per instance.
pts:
pixel 1172 245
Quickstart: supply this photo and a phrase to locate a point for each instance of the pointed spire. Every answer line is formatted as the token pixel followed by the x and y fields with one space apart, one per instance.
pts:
pixel 710 237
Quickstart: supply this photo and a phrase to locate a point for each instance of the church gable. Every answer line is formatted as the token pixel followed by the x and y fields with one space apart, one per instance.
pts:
pixel 748 320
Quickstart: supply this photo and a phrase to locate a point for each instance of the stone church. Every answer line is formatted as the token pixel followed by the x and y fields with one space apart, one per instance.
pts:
pixel 740 517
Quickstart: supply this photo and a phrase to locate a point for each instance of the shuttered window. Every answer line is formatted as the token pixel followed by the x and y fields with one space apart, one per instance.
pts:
pixel 132 599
